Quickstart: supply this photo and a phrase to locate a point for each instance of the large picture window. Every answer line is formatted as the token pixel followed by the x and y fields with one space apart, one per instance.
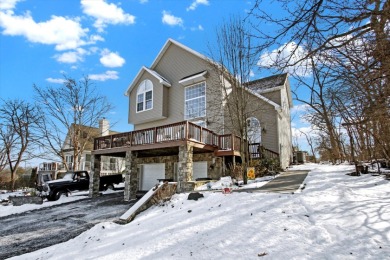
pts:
pixel 145 96
pixel 195 101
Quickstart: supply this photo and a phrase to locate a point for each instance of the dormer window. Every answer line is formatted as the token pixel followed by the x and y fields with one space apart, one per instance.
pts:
pixel 145 96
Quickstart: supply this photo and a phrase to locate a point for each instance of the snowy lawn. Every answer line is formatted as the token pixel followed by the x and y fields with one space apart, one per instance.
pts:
pixel 336 216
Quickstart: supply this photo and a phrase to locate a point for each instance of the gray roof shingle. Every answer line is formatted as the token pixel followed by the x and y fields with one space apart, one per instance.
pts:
pixel 267 83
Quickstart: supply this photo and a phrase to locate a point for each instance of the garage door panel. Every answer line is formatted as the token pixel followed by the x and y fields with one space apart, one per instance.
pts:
pixel 150 174
pixel 199 170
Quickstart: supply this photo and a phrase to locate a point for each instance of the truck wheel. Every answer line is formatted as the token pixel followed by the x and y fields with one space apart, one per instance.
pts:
pixel 110 187
pixel 57 195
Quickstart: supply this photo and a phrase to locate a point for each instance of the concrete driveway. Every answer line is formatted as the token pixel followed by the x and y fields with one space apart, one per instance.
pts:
pixel 287 182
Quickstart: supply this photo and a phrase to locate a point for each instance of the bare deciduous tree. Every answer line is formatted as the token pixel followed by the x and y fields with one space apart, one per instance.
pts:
pixel 18 123
pixel 233 61
pixel 323 24
pixel 3 157
pixel 310 141
pixel 71 110
pixel 353 35
pixel 322 113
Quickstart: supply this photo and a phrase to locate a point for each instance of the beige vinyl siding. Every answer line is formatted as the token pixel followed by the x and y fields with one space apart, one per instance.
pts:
pixel 274 96
pixel 156 112
pixel 175 65
pixel 285 133
pixel 268 117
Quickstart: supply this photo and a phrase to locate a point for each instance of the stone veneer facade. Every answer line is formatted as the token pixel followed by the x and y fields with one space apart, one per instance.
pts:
pixel 94 177
pixel 184 160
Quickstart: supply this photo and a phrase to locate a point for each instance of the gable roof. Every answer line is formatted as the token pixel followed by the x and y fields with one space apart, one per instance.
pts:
pixel 257 87
pixel 167 44
pixel 272 103
pixel 160 78
pixel 162 52
pixel 270 84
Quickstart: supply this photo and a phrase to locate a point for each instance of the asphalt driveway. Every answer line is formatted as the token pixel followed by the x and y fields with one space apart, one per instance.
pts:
pixel 287 182
pixel 36 229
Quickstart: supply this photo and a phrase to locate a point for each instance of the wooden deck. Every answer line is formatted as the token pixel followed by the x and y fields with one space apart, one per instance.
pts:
pixel 172 135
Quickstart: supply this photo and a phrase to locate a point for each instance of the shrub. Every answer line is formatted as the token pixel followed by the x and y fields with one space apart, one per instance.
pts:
pixel 236 171
pixel 265 166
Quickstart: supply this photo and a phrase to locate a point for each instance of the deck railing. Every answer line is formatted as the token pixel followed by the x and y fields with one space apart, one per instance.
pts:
pixel 167 133
pixel 176 132
pixel 257 151
pixel 229 142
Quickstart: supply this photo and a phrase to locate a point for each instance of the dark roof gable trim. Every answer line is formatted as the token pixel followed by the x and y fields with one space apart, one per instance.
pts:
pixel 194 78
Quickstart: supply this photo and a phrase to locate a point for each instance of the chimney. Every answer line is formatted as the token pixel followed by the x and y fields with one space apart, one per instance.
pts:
pixel 104 127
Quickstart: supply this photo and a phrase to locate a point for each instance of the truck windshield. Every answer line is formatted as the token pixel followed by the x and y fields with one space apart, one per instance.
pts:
pixel 68 176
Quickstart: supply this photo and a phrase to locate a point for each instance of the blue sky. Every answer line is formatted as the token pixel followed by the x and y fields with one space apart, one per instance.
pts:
pixel 107 40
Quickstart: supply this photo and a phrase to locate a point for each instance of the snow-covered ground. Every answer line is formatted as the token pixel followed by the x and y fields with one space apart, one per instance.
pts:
pixel 336 216
pixel 9 209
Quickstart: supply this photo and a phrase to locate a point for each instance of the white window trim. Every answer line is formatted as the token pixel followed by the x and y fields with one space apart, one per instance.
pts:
pixel 144 99
pixel 205 99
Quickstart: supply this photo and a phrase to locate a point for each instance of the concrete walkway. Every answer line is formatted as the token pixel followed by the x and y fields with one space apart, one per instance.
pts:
pixel 287 182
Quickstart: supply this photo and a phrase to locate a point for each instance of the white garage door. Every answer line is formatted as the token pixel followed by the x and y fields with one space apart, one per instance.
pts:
pixel 199 170
pixel 150 173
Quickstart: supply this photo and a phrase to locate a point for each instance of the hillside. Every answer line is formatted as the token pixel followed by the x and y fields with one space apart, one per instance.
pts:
pixel 336 216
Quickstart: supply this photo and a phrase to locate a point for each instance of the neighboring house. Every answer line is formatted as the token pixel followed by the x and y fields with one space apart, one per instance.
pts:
pixel 109 165
pixel 181 130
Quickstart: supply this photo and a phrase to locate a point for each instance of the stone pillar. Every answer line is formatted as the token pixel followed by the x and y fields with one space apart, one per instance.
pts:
pixel 94 176
pixel 131 176
pixel 185 166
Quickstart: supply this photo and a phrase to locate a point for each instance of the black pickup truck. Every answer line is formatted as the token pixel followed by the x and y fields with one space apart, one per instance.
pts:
pixel 77 180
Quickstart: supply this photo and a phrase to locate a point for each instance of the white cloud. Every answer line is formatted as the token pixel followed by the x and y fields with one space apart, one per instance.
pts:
pixel 62 32
pixel 196 3
pixel 8 4
pixel 299 108
pixel 171 19
pixel 299 136
pixel 251 73
pixel 111 59
pixel 109 74
pixel 143 1
pixel 71 56
pixel 288 57
pixel 300 131
pixel 106 13
pixel 56 81
pixel 197 28
pixel 95 38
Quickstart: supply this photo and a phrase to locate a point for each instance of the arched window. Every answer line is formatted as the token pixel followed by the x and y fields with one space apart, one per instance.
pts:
pixel 145 96
pixel 254 130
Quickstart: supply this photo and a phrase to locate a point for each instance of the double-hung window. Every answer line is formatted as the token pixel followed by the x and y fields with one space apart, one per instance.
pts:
pixel 145 96
pixel 195 101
